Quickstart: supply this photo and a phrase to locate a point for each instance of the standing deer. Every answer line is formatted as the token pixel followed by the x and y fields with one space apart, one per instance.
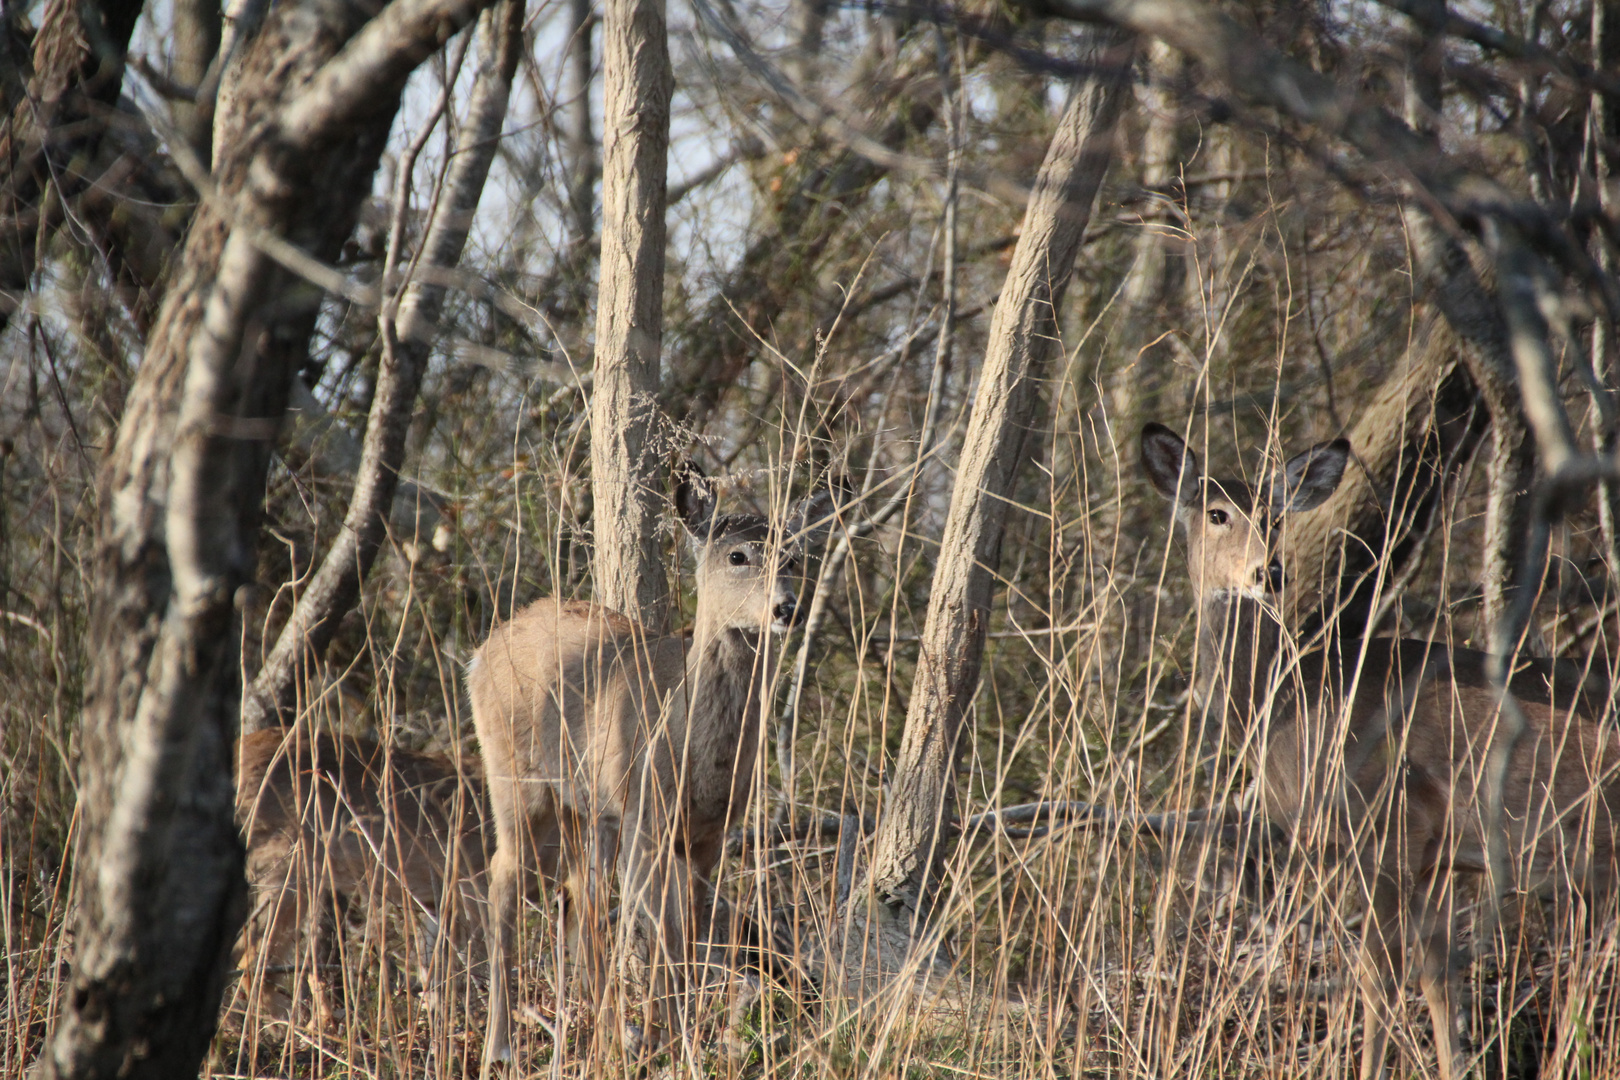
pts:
pixel 329 821
pixel 605 744
pixel 1386 758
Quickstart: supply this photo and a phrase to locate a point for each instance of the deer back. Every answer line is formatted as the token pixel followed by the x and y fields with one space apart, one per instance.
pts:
pixel 354 807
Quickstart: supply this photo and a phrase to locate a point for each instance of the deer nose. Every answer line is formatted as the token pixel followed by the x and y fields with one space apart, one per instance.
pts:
pixel 1270 576
pixel 786 612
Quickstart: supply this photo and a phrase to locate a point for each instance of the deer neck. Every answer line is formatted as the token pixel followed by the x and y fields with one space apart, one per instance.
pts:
pixel 1240 642
pixel 725 668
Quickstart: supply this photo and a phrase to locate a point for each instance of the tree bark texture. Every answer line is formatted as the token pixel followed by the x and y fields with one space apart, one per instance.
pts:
pixel 407 342
pixel 158 882
pixel 625 469
pixel 53 124
pixel 921 804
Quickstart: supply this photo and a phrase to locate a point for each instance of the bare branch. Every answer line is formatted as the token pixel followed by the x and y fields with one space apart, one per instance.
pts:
pixel 379 58
pixel 406 344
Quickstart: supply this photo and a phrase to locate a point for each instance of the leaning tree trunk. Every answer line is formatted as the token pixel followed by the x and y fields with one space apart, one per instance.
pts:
pixel 625 474
pixel 1449 279
pixel 158 888
pixel 919 812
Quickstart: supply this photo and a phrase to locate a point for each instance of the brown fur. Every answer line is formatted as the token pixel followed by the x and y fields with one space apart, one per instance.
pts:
pixel 605 745
pixel 332 820
pixel 1383 763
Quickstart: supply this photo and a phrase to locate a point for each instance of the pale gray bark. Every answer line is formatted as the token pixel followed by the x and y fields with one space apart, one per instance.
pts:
pixel 625 470
pixel 407 343
pixel 1604 128
pixel 159 892
pixel 920 810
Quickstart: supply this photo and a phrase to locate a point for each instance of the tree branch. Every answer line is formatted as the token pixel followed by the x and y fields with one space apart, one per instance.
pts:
pixel 376 61
pixel 406 346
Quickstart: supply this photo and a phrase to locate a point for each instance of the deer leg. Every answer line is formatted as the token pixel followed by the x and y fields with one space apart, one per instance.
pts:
pixel 590 864
pixel 326 940
pixel 271 939
pixel 1438 977
pixel 1378 973
pixel 657 887
pixel 504 871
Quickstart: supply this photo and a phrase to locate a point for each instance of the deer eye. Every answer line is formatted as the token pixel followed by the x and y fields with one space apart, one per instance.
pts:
pixel 1217 517
pixel 738 558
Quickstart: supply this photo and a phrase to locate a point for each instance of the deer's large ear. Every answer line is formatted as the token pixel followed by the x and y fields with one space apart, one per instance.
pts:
pixel 1309 478
pixel 694 500
pixel 1171 467
pixel 810 519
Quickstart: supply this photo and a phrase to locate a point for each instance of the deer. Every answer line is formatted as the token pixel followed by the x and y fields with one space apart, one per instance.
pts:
pixel 330 821
pixel 1377 752
pixel 609 747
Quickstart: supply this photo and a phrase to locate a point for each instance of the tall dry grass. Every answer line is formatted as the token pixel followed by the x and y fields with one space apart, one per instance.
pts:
pixel 1278 303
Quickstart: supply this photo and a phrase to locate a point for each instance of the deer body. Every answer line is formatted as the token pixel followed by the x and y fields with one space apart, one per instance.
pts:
pixel 1377 754
pixel 330 820
pixel 607 746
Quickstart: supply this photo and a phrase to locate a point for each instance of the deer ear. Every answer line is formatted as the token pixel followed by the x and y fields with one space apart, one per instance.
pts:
pixel 694 500
pixel 1309 478
pixel 810 519
pixel 1171 467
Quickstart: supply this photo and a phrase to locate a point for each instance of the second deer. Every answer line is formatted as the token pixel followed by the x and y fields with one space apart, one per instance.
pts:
pixel 605 745
pixel 1383 762
pixel 331 821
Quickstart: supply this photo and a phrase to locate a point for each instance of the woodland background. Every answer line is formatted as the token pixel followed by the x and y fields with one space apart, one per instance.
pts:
pixel 254 262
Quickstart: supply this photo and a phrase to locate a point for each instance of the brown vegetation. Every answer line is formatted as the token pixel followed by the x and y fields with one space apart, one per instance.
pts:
pixel 957 255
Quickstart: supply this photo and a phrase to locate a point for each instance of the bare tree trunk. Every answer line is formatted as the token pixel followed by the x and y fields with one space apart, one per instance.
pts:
pixel 78 66
pixel 920 808
pixel 407 343
pixel 626 479
pixel 809 19
pixel 159 890
pixel 196 42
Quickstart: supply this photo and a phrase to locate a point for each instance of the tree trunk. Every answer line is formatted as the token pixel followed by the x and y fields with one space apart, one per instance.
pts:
pixel 159 890
pixel 918 813
pixel 1451 283
pixel 625 475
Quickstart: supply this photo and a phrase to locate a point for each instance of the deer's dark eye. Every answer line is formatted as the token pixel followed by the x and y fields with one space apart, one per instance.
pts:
pixel 738 558
pixel 1217 517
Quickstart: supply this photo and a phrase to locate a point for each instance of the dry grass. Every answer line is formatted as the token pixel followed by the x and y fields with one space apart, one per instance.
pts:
pixel 1281 303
